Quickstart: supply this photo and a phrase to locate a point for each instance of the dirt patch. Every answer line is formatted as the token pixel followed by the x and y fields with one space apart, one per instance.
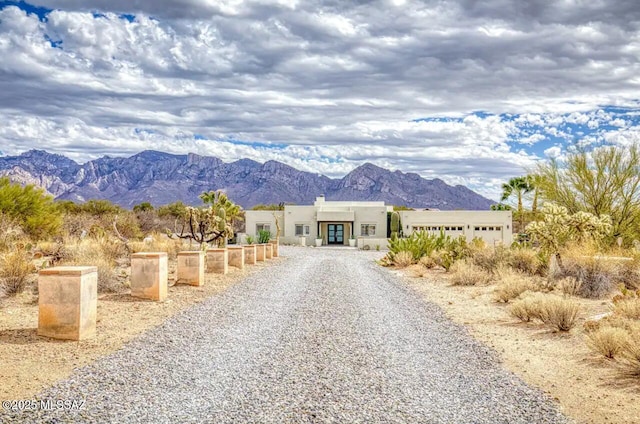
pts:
pixel 587 387
pixel 31 363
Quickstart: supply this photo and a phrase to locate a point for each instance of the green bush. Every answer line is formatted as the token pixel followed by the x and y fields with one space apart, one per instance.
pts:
pixel 264 236
pixel 34 210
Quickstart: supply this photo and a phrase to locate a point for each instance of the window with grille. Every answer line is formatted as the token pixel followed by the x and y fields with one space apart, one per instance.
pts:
pixel 368 229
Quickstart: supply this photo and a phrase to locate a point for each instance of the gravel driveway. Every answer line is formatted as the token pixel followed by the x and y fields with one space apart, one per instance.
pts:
pixel 325 335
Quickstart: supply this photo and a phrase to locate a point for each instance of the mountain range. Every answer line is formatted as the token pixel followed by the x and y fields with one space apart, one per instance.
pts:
pixel 161 178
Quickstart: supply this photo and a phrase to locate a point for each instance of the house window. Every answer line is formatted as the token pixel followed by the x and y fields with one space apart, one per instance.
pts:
pixel 368 229
pixel 263 227
pixel 302 230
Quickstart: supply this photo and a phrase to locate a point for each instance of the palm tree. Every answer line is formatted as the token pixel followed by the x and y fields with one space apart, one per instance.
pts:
pixel 518 186
pixel 500 207
pixel 534 183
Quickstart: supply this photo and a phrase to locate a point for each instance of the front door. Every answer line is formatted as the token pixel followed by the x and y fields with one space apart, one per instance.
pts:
pixel 336 234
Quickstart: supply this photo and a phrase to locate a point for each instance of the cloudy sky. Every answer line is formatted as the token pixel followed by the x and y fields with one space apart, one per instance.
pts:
pixel 473 92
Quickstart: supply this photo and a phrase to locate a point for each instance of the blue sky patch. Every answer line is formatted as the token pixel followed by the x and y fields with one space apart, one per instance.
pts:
pixel 41 12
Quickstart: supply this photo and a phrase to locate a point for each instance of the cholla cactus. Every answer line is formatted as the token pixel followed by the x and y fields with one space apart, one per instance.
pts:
pixel 559 227
pixel 204 226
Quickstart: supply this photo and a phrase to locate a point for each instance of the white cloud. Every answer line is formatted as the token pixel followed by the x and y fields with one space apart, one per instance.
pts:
pixel 340 81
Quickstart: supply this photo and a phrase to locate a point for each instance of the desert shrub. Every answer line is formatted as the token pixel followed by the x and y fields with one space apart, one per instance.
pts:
pixel 158 243
pixel 558 312
pixel 628 307
pixel 428 262
pixel 629 273
pixel 127 225
pixel 490 259
pixel 630 355
pixel 102 253
pixel 100 207
pixel 76 224
pixel 466 273
pixel 554 311
pixel 528 261
pixel 16 267
pixel 403 259
pixel 607 341
pixel 512 284
pixel 570 286
pixel 526 308
pixel 149 221
pixel 597 276
pixel 10 232
pixel 33 209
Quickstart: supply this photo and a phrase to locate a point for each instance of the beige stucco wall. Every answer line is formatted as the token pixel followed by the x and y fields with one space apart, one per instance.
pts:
pixel 305 215
pixel 473 223
pixel 253 218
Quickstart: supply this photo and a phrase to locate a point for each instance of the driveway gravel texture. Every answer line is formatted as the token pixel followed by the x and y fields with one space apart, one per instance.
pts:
pixel 324 335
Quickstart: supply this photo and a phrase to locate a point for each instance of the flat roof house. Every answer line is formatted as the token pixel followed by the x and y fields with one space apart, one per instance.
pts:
pixel 337 221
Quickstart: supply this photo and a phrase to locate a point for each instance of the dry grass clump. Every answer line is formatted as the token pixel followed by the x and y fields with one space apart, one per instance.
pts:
pixel 570 286
pixel 428 262
pixel 102 253
pixel 627 307
pixel 512 284
pixel 10 232
pixel 491 259
pixel 527 307
pixel 159 243
pixel 629 357
pixel 559 312
pixel 466 273
pixel 556 312
pixel 607 341
pixel 403 259
pixel 527 261
pixel 16 268
pixel 629 273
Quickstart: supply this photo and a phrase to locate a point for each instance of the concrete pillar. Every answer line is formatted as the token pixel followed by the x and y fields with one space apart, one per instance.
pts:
pixel 250 254
pixel 275 244
pixel 191 268
pixel 269 254
pixel 218 260
pixel 149 275
pixel 236 256
pixel 68 302
pixel 261 252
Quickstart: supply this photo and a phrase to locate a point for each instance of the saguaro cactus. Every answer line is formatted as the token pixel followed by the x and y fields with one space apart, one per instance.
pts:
pixel 395 225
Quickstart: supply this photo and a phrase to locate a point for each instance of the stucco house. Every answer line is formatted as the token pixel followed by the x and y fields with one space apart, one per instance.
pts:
pixel 337 221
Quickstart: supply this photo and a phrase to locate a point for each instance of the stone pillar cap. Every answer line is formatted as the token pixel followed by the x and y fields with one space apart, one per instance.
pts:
pixel 69 270
pixel 148 254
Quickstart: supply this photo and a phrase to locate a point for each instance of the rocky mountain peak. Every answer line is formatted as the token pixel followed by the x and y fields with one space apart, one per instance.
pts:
pixel 162 178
